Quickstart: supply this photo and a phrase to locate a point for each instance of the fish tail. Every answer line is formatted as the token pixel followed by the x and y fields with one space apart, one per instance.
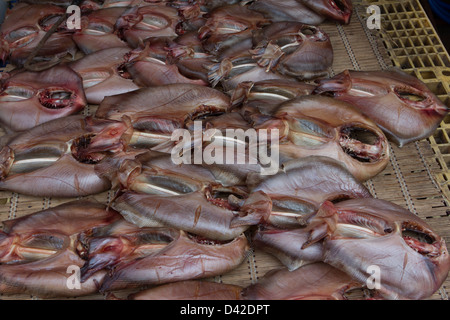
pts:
pixel 218 71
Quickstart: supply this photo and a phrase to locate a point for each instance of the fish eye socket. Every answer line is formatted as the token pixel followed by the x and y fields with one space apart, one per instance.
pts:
pixel 388 230
pixel 309 30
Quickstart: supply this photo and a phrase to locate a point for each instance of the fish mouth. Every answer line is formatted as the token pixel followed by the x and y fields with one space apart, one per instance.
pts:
pixel 231 27
pixel 362 226
pixel 81 151
pixel 413 97
pixel 51 98
pixel 343 8
pixel 419 239
pixel 56 98
pixel 123 72
pixel 206 241
pixel 42 245
pixel 6 161
pixel 362 144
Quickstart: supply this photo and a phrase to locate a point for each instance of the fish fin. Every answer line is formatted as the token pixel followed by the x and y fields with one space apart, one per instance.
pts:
pixel 340 83
pixel 240 94
pixel 323 224
pixel 6 161
pixel 119 168
pixel 256 209
pixel 4 50
pixel 268 55
pixel 204 32
pixel 317 234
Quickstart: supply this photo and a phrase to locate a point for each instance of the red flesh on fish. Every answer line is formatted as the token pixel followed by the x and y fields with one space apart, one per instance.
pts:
pixel 403 106
pixel 60 154
pixel 30 98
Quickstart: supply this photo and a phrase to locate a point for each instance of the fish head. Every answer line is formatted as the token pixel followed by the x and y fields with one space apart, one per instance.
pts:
pixel 316 124
pixel 361 233
pixel 404 107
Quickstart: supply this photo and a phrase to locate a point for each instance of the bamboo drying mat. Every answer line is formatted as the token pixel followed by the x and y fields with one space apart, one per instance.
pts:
pixel 418 176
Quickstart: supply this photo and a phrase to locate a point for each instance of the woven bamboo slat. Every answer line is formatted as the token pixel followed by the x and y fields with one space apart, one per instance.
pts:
pixel 418 176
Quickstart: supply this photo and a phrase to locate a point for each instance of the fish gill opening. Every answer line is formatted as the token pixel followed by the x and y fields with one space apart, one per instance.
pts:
pixel 361 144
pixel 55 98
